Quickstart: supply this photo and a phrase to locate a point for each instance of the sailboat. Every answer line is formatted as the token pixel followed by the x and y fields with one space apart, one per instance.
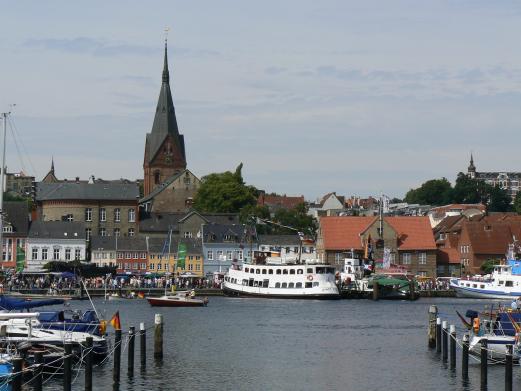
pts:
pixel 179 299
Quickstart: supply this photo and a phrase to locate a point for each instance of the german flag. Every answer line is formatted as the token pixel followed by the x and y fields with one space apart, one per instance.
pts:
pixel 115 322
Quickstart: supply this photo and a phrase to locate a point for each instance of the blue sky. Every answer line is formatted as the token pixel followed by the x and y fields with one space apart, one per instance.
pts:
pixel 346 96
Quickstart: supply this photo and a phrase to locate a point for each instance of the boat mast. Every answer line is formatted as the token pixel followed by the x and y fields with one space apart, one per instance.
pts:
pixel 175 260
pixel 2 182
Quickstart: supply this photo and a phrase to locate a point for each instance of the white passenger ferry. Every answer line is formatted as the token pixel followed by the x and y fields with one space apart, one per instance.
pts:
pixel 275 278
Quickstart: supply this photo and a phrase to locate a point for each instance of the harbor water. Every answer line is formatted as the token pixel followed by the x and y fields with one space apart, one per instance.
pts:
pixel 263 344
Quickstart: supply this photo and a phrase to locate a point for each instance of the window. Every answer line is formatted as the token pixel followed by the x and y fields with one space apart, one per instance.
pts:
pixel 310 270
pixel 151 266
pixel 509 283
pixel 34 253
pixel 167 267
pixel 240 255
pixel 279 271
pixel 128 255
pixel 219 255
pixel 56 254
pixel 69 217
pixel 103 232
pixel 188 235
pixel 102 214
pixel 277 285
pixel 263 271
pixel 258 271
pixel 88 233
pixel 117 215
pixel 117 232
pixel 143 255
pixel 44 254
pixel 157 178
pixel 190 267
pixel 292 271
pixel 126 265
pixel 131 232
pixel 300 271
pixel 7 229
pixel 67 254
pixel 143 266
pixel 198 267
pixel 210 255
pixel 229 255
pixel 158 266
pixel 422 258
pixel 270 271
pixel 191 257
pixel 88 214
pixel 291 285
pixel 406 258
pixel 136 255
pixel 135 266
pixel 285 271
pixel 77 254
pixel 315 284
pixel 298 285
pixel 309 285
pixel 284 285
pixel 131 215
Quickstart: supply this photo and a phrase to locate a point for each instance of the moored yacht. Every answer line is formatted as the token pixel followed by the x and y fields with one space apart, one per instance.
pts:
pixel 272 277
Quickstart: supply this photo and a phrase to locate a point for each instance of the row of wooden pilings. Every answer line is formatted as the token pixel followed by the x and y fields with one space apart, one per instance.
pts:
pixel 36 380
pixel 438 338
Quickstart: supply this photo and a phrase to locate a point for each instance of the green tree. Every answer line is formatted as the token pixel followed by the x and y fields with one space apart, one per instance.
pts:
pixel 432 192
pixel 499 200
pixel 470 191
pixel 517 203
pixel 488 266
pixel 296 218
pixel 224 193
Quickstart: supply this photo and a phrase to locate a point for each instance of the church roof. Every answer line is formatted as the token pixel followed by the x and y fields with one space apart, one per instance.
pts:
pixel 115 191
pixel 165 122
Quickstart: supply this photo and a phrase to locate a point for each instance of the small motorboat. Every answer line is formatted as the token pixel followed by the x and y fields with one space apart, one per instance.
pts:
pixel 180 299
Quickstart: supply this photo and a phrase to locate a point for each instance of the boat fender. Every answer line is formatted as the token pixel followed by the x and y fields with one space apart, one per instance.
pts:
pixel 475 325
pixel 310 278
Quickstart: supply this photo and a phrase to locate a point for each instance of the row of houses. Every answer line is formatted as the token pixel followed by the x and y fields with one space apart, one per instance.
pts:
pixel 164 242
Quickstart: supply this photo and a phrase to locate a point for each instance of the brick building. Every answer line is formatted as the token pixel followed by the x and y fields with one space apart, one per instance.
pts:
pixel 409 239
pixel 108 208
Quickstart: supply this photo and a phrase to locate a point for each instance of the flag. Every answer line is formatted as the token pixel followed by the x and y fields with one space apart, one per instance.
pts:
pixel 102 327
pixel 115 322
pixel 181 255
pixel 20 259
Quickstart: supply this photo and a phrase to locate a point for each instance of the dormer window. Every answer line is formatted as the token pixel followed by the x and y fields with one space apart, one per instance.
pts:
pixel 228 238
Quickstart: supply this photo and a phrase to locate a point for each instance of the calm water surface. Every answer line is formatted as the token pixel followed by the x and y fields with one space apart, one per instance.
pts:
pixel 264 344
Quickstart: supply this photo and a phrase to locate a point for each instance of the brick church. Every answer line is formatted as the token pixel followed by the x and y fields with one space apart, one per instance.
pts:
pixel 168 186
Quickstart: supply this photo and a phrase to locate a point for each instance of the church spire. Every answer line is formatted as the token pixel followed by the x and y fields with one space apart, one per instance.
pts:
pixel 52 164
pixel 471 171
pixel 166 75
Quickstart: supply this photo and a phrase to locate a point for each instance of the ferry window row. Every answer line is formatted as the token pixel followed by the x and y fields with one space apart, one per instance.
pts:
pixel 278 285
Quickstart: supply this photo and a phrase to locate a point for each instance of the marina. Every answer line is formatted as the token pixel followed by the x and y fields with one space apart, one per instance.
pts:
pixel 360 350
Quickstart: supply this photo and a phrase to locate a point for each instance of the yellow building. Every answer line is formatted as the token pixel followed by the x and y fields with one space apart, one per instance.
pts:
pixel 189 250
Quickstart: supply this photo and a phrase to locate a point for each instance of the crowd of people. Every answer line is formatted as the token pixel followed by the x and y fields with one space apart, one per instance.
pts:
pixel 58 283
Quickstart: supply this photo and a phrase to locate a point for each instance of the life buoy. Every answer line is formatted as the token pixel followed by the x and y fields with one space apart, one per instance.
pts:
pixel 310 278
pixel 475 325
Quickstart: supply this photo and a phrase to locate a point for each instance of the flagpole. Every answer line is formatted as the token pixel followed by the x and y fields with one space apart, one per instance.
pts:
pixel 175 261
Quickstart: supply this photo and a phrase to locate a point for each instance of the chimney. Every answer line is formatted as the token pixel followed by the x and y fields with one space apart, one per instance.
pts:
pixel 77 179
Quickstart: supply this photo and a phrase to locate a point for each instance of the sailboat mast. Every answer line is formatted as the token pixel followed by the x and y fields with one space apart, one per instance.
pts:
pixel 168 261
pixel 2 182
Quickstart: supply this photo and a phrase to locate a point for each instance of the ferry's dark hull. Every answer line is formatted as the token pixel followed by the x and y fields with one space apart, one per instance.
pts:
pixel 234 293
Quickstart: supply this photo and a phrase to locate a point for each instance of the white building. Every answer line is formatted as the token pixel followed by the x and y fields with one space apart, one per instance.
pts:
pixel 54 241
pixel 288 246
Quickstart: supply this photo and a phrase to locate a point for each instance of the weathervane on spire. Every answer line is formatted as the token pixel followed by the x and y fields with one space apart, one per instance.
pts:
pixel 167 29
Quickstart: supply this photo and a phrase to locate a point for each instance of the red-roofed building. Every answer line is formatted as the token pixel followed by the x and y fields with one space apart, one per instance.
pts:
pixel 409 239
pixel 275 202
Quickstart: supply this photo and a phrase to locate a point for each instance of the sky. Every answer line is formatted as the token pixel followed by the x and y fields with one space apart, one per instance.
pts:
pixel 360 98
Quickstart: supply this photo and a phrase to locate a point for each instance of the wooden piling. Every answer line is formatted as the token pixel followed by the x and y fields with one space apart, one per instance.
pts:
pixel 117 356
pixel 143 344
pixel 16 383
pixel 452 346
pixel 158 336
pixel 465 357
pixel 38 372
pixel 375 290
pixel 433 313
pixel 438 335
pixel 484 362
pixel 88 364
pixel 508 368
pixel 67 367
pixel 130 359
pixel 445 338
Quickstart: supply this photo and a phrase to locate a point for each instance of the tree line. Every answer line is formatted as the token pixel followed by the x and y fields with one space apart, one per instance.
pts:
pixel 466 190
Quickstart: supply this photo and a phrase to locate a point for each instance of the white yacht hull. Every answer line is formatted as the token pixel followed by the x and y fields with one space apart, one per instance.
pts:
pixel 483 290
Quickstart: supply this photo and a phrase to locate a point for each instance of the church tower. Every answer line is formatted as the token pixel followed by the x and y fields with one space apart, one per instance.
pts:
pixel 164 146
pixel 471 170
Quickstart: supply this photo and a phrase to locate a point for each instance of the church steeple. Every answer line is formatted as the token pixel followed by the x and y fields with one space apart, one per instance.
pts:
pixel 471 171
pixel 165 146
pixel 166 74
